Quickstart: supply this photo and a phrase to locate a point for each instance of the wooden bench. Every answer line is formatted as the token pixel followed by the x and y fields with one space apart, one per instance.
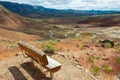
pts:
pixel 40 57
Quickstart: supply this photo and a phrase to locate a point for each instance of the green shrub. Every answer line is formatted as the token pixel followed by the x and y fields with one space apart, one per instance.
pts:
pixel 49 48
pixel 99 43
pixel 107 68
pixel 95 70
pixel 16 54
pixel 79 46
pixel 118 60
pixel 117 47
pixel 53 42
pixel 108 43
pixel 105 43
pixel 91 58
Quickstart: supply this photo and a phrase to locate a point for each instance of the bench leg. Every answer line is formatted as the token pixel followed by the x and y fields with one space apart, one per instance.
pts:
pixel 32 61
pixel 24 54
pixel 40 64
pixel 52 75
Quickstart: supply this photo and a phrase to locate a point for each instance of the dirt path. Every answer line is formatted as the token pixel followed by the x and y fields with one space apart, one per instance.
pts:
pixel 20 68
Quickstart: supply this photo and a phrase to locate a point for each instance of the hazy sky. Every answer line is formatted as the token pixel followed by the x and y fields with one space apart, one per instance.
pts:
pixel 74 4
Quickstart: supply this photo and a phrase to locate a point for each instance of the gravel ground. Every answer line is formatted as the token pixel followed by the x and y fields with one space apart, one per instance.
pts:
pixel 20 68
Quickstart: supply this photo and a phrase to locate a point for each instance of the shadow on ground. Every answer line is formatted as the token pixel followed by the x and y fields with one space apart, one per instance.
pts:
pixel 32 70
pixel 17 74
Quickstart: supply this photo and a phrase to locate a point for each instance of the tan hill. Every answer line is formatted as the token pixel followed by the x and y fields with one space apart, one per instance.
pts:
pixel 13 26
pixel 102 21
pixel 9 20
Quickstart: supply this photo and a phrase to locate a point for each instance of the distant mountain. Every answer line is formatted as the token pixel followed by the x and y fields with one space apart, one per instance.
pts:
pixel 102 20
pixel 42 12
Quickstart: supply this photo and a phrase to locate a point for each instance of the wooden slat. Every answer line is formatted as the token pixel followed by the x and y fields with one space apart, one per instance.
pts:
pixel 33 52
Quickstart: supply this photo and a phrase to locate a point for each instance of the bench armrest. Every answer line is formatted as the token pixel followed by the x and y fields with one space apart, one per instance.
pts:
pixel 53 65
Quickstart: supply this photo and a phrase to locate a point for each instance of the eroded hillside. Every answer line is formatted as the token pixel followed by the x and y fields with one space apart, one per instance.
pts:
pixel 13 26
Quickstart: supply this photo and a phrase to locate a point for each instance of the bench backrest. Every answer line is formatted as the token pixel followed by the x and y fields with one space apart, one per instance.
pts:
pixel 33 52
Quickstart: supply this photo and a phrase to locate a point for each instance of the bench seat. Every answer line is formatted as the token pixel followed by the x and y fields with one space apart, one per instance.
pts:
pixel 53 65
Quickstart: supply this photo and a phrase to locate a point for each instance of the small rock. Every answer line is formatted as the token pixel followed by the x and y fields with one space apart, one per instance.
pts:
pixel 89 53
pixel 105 58
pixel 80 67
pixel 85 45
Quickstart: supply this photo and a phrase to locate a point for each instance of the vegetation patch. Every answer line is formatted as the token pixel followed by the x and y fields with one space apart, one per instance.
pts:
pixel 107 68
pixel 105 43
pixel 17 54
pixel 117 47
pixel 118 60
pixel 95 70
pixel 79 46
pixel 91 58
pixel 49 47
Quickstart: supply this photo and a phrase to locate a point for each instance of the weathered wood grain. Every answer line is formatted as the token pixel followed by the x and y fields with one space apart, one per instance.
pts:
pixel 33 52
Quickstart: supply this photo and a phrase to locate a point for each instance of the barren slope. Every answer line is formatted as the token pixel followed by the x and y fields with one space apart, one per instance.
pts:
pixel 13 26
